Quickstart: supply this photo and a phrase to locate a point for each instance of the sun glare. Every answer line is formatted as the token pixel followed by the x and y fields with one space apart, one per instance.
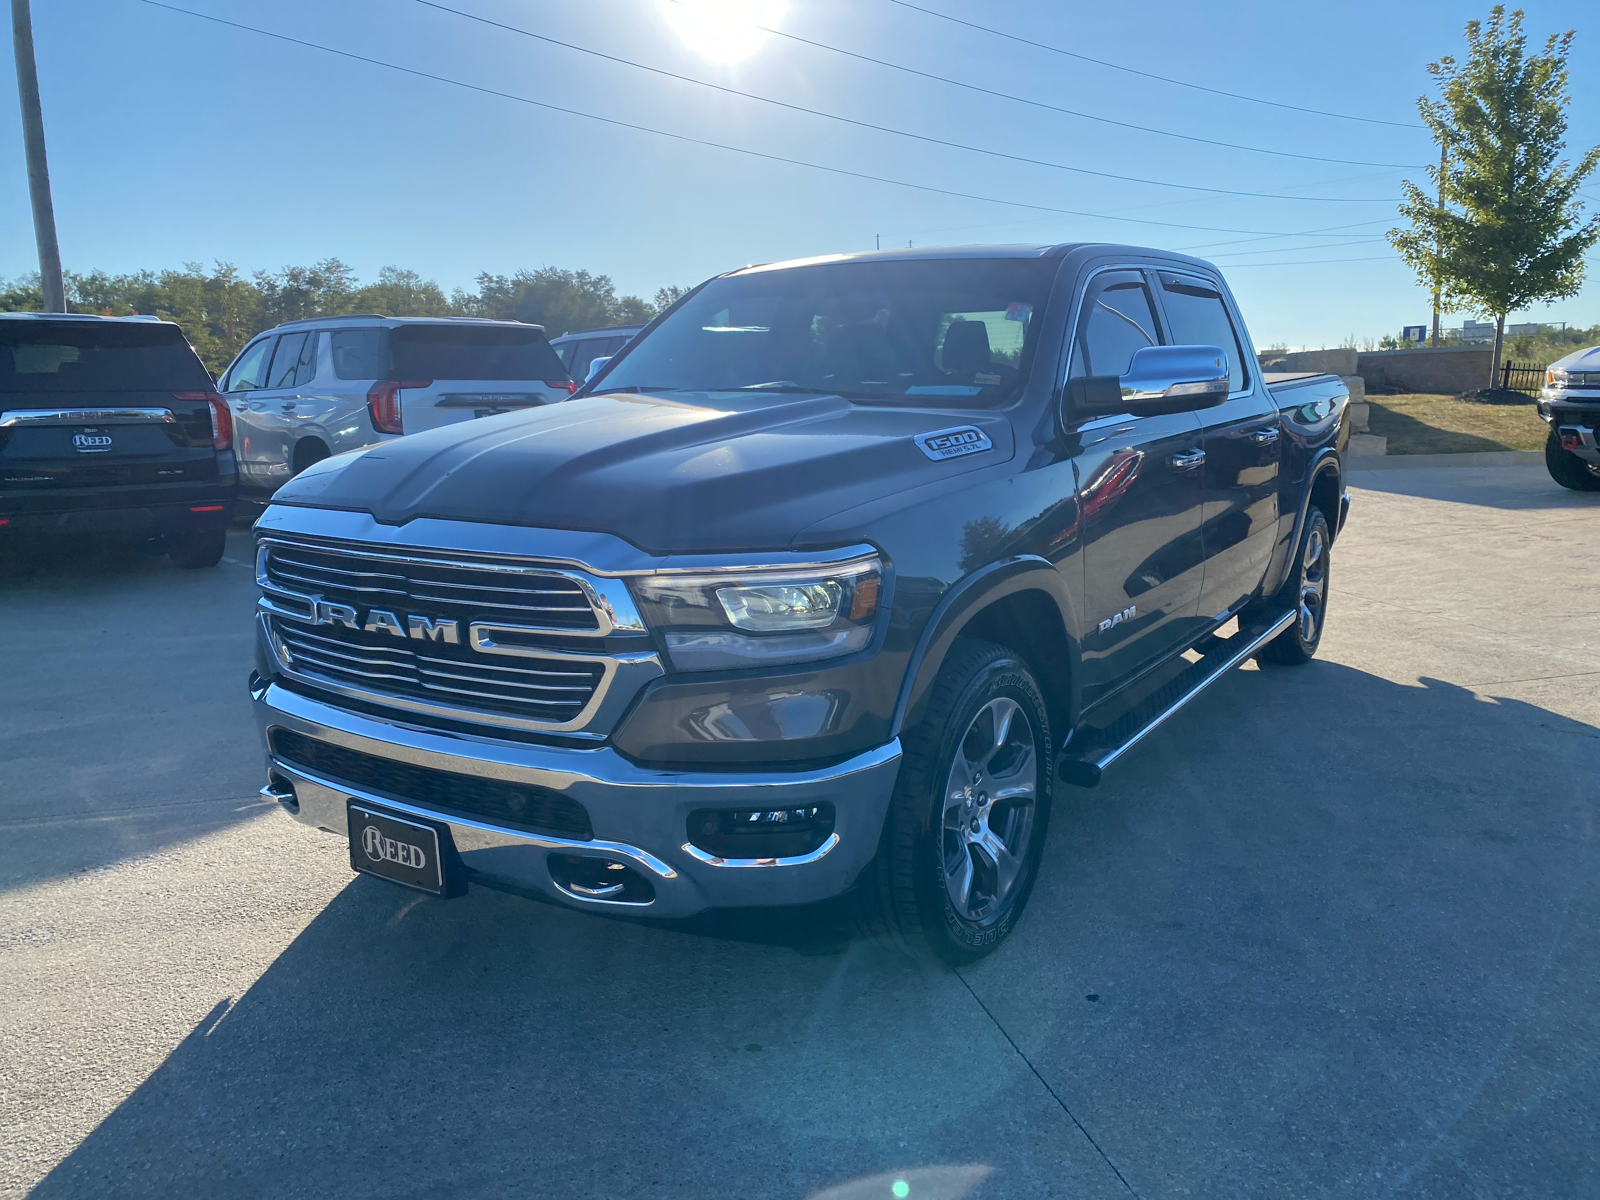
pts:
pixel 722 30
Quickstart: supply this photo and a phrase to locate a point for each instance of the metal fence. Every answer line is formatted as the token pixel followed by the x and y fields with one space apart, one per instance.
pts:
pixel 1522 377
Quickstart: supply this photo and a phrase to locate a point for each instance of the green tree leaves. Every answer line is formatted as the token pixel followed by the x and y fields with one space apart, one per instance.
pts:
pixel 1504 227
pixel 220 311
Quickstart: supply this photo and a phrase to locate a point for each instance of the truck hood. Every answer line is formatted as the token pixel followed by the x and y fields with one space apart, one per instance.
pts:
pixel 688 471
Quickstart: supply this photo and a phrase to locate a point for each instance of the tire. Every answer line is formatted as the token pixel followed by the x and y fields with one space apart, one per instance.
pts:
pixel 1566 468
pixel 1307 591
pixel 940 879
pixel 307 452
pixel 192 551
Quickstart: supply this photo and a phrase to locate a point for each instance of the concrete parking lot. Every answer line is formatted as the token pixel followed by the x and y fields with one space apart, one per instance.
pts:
pixel 1335 931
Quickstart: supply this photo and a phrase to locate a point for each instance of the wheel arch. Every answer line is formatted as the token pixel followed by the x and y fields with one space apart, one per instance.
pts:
pixel 1020 603
pixel 1324 487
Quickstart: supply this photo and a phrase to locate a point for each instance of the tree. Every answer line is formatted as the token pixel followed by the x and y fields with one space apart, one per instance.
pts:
pixel 1507 228
pixel 402 293
pixel 560 300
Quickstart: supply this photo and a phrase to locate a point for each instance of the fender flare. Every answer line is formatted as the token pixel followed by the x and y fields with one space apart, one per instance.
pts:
pixel 974 592
pixel 1326 461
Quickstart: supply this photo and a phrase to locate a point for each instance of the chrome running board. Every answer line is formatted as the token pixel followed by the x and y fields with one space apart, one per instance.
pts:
pixel 1087 755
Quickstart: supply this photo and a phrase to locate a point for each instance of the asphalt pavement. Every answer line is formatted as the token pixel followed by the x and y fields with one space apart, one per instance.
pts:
pixel 1334 931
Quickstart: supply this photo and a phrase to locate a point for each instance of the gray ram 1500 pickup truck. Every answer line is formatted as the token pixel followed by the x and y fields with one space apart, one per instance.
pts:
pixel 821 584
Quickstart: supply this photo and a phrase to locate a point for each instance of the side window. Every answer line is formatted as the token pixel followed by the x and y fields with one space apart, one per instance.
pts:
pixel 1199 318
pixel 567 352
pixel 357 353
pixel 295 363
pixel 1118 318
pixel 250 368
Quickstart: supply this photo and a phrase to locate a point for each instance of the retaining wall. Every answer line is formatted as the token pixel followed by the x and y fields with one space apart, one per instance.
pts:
pixel 1449 369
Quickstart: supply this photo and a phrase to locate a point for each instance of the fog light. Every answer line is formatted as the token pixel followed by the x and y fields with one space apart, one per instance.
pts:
pixel 761 833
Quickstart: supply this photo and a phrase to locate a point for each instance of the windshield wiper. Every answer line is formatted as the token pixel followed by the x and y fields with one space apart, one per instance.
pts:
pixel 639 387
pixel 777 385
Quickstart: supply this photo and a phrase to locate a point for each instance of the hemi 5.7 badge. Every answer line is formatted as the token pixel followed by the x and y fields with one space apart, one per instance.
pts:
pixel 953 443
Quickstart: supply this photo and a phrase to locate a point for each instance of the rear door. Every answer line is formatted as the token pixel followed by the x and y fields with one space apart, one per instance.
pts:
pixel 103 405
pixel 1139 500
pixel 273 409
pixel 456 372
pixel 1243 447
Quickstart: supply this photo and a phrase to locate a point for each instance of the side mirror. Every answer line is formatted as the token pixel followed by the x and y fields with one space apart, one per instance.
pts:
pixel 1160 379
pixel 595 365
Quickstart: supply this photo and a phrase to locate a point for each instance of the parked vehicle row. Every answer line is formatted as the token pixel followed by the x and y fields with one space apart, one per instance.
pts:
pixel 818 585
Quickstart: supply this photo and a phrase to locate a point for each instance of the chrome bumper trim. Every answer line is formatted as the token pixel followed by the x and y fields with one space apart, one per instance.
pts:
pixel 639 815
pixel 799 860
pixel 496 834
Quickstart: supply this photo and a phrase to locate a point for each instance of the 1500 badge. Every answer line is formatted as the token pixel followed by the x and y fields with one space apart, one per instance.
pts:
pixel 953 443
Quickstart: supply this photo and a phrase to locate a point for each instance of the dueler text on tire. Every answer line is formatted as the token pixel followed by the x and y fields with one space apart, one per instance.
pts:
pixel 1307 590
pixel 967 824
pixel 1566 468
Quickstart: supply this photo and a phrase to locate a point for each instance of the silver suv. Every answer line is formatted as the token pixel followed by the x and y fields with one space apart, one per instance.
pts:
pixel 581 349
pixel 308 389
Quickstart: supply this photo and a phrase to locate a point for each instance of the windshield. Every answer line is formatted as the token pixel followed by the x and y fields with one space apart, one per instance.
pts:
pixel 951 333
pixel 91 356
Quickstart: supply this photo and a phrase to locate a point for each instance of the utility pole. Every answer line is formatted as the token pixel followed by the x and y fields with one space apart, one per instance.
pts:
pixel 1438 255
pixel 44 215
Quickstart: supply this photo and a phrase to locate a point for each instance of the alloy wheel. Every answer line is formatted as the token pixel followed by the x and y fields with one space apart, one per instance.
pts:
pixel 1313 585
pixel 990 801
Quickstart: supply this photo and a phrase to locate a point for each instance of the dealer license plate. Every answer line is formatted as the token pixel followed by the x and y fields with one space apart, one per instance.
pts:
pixel 404 851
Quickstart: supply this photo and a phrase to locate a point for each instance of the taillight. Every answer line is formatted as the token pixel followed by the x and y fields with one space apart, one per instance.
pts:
pixel 562 383
pixel 383 402
pixel 221 417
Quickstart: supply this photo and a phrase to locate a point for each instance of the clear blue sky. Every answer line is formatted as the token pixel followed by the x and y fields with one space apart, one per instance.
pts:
pixel 175 139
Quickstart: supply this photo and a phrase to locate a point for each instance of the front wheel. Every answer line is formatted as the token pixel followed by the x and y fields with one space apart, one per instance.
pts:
pixel 1307 591
pixel 966 827
pixel 1566 468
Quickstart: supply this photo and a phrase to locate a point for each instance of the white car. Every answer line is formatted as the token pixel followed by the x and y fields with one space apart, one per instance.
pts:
pixel 308 389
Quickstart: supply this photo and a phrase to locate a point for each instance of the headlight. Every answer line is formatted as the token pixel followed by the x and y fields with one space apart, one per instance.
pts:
pixel 726 620
pixel 1555 378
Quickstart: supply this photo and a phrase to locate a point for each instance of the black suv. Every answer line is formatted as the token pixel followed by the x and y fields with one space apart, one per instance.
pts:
pixel 112 425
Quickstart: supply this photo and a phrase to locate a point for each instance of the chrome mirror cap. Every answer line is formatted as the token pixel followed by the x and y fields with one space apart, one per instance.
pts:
pixel 1177 372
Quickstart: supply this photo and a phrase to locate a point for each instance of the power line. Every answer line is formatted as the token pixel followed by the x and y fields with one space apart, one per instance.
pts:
pixel 1071 112
pixel 685 138
pixel 1331 230
pixel 905 133
pixel 1297 249
pixel 1312 262
pixel 1100 62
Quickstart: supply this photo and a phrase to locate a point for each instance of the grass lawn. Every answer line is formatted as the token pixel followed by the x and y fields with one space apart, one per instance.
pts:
pixel 1445 425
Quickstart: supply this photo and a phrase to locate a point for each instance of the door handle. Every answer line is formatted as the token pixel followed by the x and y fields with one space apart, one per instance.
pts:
pixel 1188 461
pixel 1264 437
pixel 288 406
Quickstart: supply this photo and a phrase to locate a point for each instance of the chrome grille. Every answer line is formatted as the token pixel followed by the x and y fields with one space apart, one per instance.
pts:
pixel 519 595
pixel 551 690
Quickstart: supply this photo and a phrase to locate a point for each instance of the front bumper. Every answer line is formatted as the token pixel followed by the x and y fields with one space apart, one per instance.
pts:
pixel 639 816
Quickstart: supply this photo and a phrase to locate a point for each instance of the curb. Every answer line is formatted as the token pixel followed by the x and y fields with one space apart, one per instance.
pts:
pixel 1405 462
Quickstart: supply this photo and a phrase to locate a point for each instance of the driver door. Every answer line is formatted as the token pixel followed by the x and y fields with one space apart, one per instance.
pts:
pixel 1140 500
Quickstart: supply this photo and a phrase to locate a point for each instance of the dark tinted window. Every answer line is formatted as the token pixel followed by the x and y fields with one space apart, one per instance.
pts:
pixel 1118 318
pixel 91 356
pixel 946 333
pixel 358 353
pixel 1199 318
pixel 294 362
pixel 462 352
pixel 250 369
pixel 589 349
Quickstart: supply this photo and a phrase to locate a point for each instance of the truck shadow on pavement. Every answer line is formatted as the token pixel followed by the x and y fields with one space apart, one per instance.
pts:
pixel 1361 962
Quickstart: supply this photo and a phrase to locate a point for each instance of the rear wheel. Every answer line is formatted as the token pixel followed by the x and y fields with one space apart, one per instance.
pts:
pixel 1566 468
pixel 195 550
pixel 307 452
pixel 1307 591
pixel 966 827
